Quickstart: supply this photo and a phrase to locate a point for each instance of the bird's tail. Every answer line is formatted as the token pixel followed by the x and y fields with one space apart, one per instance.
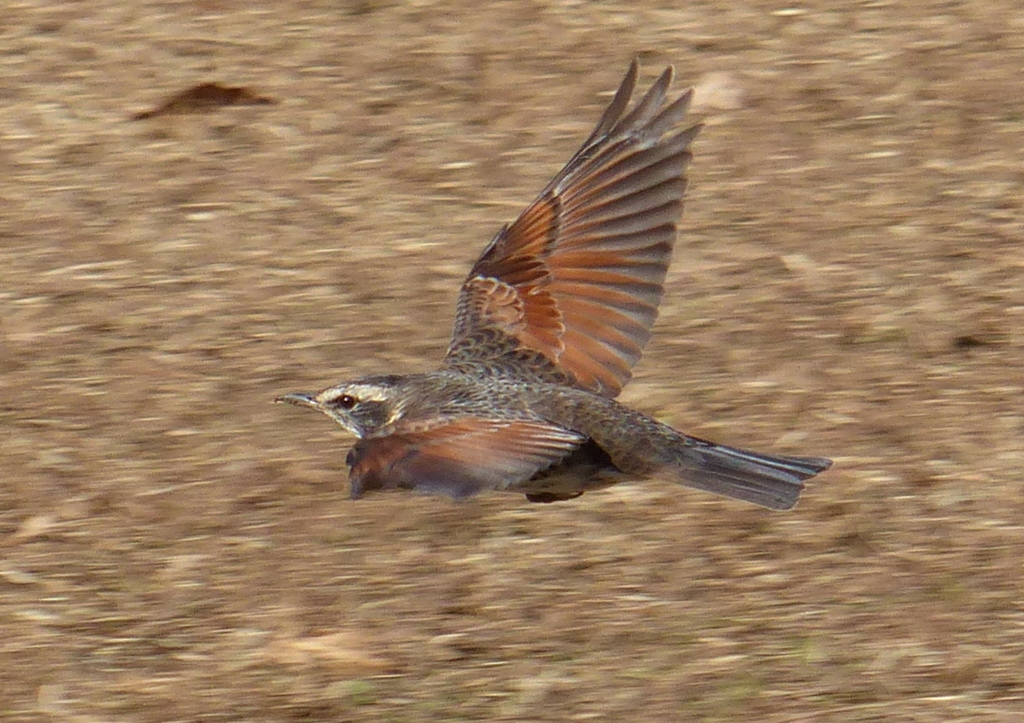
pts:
pixel 772 481
pixel 639 445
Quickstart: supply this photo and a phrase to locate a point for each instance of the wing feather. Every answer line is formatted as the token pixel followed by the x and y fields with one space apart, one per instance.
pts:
pixel 459 457
pixel 575 282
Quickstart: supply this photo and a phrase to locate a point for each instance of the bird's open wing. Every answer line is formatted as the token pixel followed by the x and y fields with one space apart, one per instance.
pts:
pixel 570 290
pixel 459 457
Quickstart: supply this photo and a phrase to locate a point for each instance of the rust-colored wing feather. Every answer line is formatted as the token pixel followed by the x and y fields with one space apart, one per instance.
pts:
pixel 570 290
pixel 459 457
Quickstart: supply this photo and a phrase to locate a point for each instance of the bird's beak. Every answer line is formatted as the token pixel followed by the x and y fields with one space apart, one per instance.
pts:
pixel 309 400
pixel 299 400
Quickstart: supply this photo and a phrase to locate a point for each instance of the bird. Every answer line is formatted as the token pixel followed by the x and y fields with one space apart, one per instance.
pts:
pixel 549 323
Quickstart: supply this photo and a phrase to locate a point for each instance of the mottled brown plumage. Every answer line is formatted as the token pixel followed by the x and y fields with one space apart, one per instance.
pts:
pixel 549 324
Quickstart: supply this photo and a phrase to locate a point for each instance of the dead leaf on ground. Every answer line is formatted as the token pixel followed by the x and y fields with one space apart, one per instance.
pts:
pixel 205 98
pixel 718 90
pixel 33 527
pixel 345 651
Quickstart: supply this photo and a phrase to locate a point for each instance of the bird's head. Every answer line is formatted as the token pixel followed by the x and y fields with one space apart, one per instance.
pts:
pixel 361 406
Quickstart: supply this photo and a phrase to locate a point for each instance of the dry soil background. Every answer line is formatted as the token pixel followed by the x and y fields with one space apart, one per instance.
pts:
pixel 849 282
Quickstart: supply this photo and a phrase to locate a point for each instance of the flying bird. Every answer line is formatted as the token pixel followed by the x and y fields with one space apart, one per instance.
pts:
pixel 549 323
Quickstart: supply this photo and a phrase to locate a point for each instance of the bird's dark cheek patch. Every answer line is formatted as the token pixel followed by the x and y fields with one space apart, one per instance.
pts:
pixel 371 415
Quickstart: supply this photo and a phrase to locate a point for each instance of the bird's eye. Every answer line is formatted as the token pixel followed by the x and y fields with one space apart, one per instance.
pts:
pixel 346 401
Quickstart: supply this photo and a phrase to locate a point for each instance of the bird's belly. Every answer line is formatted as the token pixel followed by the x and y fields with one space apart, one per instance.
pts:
pixel 571 481
pixel 588 468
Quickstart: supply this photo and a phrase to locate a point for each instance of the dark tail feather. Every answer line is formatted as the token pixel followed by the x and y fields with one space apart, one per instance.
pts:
pixel 772 481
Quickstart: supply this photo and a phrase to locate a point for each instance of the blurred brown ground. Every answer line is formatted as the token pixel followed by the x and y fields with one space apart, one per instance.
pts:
pixel 849 282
